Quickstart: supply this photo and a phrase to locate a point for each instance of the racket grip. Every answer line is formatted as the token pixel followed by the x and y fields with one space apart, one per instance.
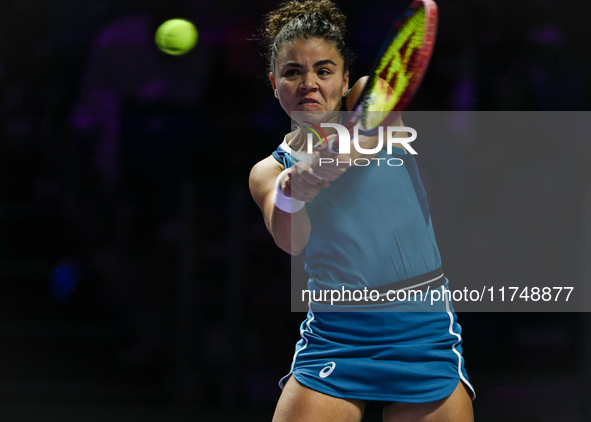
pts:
pixel 333 146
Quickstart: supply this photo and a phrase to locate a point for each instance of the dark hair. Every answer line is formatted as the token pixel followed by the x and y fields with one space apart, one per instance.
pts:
pixel 304 20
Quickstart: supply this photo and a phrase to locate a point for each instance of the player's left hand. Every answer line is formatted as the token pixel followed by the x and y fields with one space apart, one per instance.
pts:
pixel 327 165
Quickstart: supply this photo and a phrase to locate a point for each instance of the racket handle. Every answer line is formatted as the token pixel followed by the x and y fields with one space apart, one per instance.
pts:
pixel 333 146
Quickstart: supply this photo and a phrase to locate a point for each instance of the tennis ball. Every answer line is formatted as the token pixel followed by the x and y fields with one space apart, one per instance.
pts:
pixel 176 36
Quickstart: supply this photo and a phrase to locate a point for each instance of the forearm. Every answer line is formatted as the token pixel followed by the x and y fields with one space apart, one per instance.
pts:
pixel 290 230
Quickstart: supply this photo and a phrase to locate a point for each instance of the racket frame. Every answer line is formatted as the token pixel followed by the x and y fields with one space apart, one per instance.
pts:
pixel 422 62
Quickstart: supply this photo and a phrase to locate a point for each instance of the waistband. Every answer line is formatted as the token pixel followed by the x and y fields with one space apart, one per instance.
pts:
pixel 419 284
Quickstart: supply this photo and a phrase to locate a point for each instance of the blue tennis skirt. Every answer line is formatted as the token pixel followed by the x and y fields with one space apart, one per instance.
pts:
pixel 411 357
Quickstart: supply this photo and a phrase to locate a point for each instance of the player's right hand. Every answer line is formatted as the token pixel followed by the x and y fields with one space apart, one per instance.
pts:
pixel 301 183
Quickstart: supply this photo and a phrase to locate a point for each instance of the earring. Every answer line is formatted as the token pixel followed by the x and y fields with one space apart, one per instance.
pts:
pixel 276 94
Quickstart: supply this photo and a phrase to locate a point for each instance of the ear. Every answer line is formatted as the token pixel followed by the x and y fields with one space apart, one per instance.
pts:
pixel 345 83
pixel 272 79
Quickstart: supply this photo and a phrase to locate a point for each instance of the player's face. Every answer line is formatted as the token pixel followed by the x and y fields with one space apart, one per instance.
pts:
pixel 309 77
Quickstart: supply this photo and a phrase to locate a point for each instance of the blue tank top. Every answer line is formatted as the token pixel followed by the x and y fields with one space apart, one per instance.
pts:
pixel 370 227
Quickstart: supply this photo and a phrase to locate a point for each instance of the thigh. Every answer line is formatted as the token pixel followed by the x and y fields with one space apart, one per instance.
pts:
pixel 457 407
pixel 300 403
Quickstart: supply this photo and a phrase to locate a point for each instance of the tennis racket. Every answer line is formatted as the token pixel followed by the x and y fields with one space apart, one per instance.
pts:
pixel 398 70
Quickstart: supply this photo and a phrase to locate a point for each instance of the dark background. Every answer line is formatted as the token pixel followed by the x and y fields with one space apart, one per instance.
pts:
pixel 138 281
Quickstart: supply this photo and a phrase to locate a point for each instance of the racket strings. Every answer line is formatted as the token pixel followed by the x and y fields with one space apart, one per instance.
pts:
pixel 395 70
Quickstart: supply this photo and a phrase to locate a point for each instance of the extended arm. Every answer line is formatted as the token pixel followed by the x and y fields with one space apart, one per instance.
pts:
pixel 291 231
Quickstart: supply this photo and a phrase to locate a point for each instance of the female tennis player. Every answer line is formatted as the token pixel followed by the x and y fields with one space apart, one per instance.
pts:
pixel 356 227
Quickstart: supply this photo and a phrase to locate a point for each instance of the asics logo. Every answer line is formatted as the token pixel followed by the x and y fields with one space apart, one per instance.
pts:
pixel 327 370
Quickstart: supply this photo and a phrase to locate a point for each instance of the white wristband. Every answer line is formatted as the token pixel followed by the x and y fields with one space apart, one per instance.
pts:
pixel 285 203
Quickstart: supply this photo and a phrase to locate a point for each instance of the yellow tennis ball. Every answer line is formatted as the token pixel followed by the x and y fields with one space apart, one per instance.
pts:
pixel 176 36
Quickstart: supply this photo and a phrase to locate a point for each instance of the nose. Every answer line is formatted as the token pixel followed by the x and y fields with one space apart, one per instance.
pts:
pixel 308 82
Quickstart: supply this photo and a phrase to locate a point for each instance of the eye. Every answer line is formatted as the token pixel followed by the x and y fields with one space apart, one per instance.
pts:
pixel 324 72
pixel 290 72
